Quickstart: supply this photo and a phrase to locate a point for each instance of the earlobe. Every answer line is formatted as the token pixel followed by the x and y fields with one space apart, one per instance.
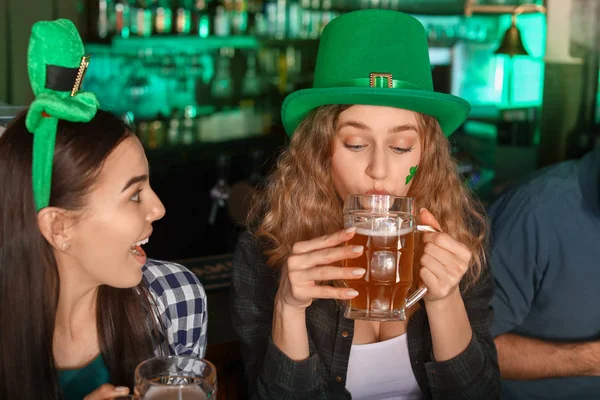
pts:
pixel 52 223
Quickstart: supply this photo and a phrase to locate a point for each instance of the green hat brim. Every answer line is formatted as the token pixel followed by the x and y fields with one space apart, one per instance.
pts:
pixel 450 111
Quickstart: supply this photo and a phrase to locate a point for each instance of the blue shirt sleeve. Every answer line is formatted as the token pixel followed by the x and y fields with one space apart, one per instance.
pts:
pixel 517 258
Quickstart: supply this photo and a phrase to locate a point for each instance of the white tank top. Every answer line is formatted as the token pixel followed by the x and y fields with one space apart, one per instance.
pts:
pixel 382 371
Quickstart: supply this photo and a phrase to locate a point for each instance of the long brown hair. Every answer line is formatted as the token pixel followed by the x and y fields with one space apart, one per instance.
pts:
pixel 29 281
pixel 298 200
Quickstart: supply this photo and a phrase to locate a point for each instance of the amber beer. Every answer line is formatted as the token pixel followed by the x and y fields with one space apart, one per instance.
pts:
pixel 388 259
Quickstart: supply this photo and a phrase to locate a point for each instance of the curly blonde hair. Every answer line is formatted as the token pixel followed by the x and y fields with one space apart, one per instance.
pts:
pixel 298 201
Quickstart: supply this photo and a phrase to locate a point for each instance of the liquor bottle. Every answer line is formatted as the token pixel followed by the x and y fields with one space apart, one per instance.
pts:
pixel 123 18
pixel 222 84
pixel 189 129
pixel 183 17
pixel 239 17
pixel 201 19
pixel 222 21
pixel 141 15
pixel 106 21
pixel 163 18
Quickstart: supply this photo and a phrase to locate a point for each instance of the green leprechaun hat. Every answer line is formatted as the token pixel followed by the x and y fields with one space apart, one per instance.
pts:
pixel 375 57
pixel 56 63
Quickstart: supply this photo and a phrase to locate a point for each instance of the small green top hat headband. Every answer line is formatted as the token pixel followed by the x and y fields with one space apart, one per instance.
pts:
pixel 56 64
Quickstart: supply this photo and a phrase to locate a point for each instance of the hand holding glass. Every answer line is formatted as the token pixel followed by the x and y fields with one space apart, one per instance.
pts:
pixel 386 227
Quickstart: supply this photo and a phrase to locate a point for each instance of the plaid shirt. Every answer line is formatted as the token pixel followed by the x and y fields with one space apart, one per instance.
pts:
pixel 473 374
pixel 181 303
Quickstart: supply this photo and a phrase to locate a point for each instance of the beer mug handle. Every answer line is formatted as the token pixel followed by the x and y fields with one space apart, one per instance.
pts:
pixel 422 290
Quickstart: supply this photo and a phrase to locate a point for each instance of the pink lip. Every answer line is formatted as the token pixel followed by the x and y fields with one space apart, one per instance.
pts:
pixel 378 192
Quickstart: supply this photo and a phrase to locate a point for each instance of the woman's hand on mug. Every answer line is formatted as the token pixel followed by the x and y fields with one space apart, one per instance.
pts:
pixel 444 261
pixel 312 262
pixel 107 392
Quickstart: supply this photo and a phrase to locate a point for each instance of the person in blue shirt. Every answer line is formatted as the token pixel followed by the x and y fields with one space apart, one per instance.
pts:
pixel 545 257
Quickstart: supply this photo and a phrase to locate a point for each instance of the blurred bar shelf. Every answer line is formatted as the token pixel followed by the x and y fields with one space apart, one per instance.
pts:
pixel 202 151
pixel 440 53
pixel 191 44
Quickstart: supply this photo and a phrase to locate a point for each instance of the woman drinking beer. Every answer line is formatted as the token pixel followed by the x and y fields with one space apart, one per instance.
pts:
pixel 371 124
pixel 81 304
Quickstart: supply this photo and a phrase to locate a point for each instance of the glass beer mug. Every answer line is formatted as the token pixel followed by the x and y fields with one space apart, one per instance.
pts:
pixel 386 227
pixel 175 378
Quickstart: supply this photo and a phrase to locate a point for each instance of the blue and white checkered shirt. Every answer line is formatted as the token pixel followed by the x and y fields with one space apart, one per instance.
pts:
pixel 181 304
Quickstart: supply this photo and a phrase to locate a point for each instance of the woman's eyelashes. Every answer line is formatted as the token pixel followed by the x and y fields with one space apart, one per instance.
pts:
pixel 395 149
pixel 401 150
pixel 355 147
pixel 136 196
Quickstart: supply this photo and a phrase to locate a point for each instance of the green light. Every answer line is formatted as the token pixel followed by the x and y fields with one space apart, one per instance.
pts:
pixel 243 21
pixel 204 26
pixel 482 78
pixel 190 112
pixel 168 20
pixel 528 72
pixel 147 25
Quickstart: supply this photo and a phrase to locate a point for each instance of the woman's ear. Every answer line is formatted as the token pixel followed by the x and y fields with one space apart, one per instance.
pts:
pixel 55 225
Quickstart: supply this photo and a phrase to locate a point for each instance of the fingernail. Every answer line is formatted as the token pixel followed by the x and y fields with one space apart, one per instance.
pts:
pixel 121 389
pixel 359 271
pixel 350 230
pixel 352 293
pixel 358 249
pixel 422 208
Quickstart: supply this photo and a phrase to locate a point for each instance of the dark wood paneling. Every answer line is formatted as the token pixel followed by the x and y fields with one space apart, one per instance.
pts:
pixel 22 14
pixel 4 42
pixel 76 11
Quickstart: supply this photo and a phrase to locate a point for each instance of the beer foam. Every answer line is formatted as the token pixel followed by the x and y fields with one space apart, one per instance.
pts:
pixel 382 233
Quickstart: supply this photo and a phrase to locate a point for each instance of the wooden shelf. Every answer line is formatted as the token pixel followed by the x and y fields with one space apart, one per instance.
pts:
pixel 191 44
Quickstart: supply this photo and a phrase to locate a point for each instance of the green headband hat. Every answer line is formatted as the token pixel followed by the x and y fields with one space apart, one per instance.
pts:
pixel 56 63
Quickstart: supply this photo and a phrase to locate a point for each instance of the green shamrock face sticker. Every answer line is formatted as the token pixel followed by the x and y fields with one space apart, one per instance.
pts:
pixel 409 177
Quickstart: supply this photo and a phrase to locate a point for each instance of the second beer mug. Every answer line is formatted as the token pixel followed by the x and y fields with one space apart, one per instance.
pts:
pixel 175 378
pixel 386 227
